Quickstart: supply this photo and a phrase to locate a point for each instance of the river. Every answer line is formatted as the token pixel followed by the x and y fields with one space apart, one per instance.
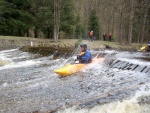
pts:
pixel 28 84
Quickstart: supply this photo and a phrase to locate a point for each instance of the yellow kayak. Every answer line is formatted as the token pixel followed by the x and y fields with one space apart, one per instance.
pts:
pixel 69 69
pixel 143 48
pixel 74 68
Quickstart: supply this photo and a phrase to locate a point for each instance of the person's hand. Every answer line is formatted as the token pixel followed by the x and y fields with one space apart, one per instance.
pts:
pixel 82 53
pixel 75 58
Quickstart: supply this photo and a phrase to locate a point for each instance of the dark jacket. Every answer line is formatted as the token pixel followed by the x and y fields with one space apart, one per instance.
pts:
pixel 148 48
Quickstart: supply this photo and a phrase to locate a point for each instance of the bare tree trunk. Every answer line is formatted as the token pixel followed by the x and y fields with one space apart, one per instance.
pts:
pixel 143 27
pixel 108 27
pixel 139 27
pixel 131 22
pixel 56 19
pixel 148 37
pixel 19 32
pixel 124 35
pixel 121 29
pixel 113 14
pixel 90 5
pixel 36 33
pixel 139 33
pixel 28 33
pixel 49 33
pixel 121 22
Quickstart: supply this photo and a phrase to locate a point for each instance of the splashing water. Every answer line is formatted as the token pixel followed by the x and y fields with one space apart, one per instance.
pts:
pixel 126 106
pixel 5 61
pixel 28 84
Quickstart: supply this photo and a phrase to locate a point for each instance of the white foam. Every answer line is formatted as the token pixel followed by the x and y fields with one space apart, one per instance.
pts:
pixel 5 84
pixel 134 61
pixel 110 51
pixel 143 91
pixel 115 107
pixel 4 61
pixel 20 64
pixel 9 56
pixel 20 57
pixel 5 51
pixel 95 65
pixel 126 106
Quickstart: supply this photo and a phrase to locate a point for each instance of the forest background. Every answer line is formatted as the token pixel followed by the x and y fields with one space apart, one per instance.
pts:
pixel 127 20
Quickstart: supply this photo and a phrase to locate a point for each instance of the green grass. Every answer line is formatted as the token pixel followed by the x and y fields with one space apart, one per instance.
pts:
pixel 94 44
pixel 115 45
pixel 13 37
pixel 21 38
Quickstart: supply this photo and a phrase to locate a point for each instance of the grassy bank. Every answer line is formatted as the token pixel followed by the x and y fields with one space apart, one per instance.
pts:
pixel 67 43
pixel 116 46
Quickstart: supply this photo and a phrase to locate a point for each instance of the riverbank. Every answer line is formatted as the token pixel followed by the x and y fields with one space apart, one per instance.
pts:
pixel 62 44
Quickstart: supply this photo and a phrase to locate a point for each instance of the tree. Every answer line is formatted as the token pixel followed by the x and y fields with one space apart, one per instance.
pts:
pixel 128 20
pixel 93 24
pixel 15 17
pixel 144 20
pixel 47 15
pixel 67 18
pixel 132 4
pixel 37 12
pixel 79 28
pixel 57 5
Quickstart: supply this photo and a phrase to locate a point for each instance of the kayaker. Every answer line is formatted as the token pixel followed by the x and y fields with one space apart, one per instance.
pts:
pixel 85 55
pixel 148 47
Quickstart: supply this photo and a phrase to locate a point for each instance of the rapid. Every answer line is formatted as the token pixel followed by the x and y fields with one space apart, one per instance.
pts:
pixel 119 84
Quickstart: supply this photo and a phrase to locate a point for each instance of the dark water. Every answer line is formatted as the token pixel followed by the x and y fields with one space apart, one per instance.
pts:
pixel 28 84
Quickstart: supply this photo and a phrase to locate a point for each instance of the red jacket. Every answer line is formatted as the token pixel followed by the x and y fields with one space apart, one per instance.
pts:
pixel 110 35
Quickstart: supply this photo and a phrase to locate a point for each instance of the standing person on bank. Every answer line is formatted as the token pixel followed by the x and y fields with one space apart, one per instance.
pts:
pixel 110 37
pixel 91 35
pixel 104 36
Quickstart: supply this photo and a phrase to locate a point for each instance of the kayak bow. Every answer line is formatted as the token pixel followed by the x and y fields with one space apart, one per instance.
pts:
pixel 74 68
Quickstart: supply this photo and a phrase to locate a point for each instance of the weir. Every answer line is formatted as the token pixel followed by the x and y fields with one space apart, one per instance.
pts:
pixel 28 83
